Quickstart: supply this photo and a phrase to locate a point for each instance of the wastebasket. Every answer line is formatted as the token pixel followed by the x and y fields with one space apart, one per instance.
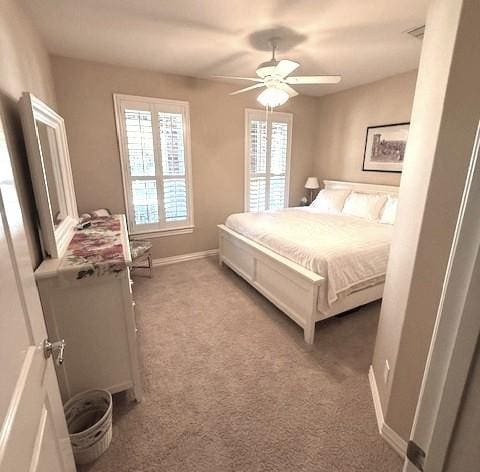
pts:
pixel 89 422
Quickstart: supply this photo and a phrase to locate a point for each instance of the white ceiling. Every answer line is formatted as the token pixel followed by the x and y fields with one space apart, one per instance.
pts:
pixel 363 40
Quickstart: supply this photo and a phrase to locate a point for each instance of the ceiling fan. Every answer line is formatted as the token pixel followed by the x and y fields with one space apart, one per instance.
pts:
pixel 274 75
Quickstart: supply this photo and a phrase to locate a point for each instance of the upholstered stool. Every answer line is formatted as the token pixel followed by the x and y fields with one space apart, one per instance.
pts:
pixel 141 256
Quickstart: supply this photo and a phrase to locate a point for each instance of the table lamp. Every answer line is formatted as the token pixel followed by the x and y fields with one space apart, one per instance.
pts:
pixel 312 184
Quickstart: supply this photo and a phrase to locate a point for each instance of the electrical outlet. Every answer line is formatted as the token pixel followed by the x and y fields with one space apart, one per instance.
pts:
pixel 386 371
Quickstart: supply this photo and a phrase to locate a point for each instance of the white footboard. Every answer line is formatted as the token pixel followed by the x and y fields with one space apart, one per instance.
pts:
pixel 291 287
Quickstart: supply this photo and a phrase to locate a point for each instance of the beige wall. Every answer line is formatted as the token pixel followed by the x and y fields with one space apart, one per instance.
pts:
pixel 444 121
pixel 84 91
pixel 24 66
pixel 343 119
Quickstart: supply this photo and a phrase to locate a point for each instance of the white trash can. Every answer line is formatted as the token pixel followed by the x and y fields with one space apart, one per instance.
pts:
pixel 89 421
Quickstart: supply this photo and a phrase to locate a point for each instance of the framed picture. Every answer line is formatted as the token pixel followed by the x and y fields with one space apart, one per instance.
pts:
pixel 385 147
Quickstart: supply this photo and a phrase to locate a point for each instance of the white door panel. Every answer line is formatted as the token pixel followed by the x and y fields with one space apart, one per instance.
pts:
pixel 33 433
pixel 46 448
pixel 12 347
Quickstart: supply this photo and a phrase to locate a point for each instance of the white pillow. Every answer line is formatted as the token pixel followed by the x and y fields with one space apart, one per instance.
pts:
pixel 364 205
pixel 330 200
pixel 389 210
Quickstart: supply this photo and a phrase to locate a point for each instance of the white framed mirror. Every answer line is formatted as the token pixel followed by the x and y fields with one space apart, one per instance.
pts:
pixel 52 180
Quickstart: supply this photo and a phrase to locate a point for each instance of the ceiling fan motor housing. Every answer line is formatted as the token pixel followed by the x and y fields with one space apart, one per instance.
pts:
pixel 266 68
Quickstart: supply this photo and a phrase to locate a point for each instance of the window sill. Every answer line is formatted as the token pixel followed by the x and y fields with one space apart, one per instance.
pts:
pixel 162 233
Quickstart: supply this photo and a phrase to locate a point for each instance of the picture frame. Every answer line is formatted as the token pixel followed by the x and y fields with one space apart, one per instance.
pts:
pixel 385 147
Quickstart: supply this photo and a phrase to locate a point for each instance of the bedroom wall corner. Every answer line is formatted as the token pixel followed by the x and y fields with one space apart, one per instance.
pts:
pixel 444 122
pixel 342 121
pixel 25 66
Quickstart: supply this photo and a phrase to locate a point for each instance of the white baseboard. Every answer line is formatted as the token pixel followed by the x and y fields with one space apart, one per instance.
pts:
pixel 184 257
pixel 387 433
pixel 395 440
pixel 376 399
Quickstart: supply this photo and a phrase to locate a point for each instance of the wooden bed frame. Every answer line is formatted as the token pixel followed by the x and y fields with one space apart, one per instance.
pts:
pixel 292 288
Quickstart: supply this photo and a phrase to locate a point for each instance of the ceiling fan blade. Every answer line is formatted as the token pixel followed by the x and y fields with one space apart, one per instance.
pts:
pixel 251 79
pixel 285 67
pixel 291 92
pixel 314 79
pixel 247 89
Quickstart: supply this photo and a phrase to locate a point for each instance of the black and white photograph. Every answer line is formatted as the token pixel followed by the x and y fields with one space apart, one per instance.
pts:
pixel 385 147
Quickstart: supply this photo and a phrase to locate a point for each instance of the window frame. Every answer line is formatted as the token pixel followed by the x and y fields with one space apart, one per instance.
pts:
pixel 285 117
pixel 152 104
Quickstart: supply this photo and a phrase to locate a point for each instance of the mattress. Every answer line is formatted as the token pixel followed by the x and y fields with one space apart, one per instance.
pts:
pixel 350 253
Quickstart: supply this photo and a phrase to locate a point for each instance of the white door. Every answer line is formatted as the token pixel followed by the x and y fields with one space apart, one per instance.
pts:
pixel 33 432
pixel 454 339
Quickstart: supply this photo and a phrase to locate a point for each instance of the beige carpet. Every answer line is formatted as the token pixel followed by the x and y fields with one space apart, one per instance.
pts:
pixel 231 386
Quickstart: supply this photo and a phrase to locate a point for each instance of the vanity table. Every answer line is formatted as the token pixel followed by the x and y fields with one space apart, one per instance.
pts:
pixel 84 279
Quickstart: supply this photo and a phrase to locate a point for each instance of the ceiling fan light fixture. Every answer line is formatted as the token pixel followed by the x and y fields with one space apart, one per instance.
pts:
pixel 273 97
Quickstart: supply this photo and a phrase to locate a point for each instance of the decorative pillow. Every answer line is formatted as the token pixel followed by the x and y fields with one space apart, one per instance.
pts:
pixel 389 210
pixel 330 200
pixel 364 205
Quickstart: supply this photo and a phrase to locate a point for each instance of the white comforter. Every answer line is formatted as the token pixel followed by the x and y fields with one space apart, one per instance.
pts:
pixel 350 253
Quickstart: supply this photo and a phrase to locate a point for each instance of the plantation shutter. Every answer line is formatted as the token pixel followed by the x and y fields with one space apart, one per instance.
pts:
pixel 153 137
pixel 258 165
pixel 278 165
pixel 141 158
pixel 173 166
pixel 268 159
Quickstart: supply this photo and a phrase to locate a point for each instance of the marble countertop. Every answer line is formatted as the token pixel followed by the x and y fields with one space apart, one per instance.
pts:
pixel 100 249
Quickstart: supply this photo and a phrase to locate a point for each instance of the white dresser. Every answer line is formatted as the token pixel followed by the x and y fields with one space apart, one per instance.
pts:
pixel 87 301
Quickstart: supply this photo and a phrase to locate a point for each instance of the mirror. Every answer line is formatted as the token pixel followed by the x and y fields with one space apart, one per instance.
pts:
pixel 46 138
pixel 52 180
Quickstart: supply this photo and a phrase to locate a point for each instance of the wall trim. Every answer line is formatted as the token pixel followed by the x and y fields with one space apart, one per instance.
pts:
pixel 184 257
pixel 388 434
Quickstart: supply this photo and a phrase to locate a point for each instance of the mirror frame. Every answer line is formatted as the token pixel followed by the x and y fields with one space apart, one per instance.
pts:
pixel 54 239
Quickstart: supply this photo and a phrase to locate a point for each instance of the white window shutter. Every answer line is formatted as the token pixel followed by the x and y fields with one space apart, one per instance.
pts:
pixel 138 126
pixel 173 165
pixel 278 166
pixel 258 165
pixel 268 160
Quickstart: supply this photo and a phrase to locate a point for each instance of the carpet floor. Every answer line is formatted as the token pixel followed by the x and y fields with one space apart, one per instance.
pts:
pixel 230 385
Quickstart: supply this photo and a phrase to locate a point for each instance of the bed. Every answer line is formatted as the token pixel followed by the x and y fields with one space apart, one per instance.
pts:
pixel 311 265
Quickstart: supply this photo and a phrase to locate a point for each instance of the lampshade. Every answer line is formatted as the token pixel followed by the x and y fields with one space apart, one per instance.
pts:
pixel 273 97
pixel 312 183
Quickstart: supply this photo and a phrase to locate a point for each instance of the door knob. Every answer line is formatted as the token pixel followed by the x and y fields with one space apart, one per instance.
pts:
pixel 54 349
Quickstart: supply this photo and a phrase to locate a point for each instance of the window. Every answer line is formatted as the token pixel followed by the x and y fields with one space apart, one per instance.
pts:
pixel 267 153
pixel 154 139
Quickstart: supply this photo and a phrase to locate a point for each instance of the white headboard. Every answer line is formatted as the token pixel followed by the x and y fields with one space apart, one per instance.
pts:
pixel 359 187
